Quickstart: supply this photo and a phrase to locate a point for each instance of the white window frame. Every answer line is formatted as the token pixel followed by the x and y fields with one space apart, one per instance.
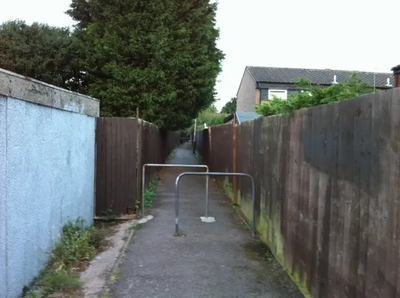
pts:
pixel 280 93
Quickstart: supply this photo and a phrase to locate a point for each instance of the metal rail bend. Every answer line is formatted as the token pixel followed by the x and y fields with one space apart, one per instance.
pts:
pixel 177 218
pixel 170 165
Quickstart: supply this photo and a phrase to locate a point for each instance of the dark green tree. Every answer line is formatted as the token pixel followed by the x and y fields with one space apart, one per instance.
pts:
pixel 158 55
pixel 41 52
pixel 230 106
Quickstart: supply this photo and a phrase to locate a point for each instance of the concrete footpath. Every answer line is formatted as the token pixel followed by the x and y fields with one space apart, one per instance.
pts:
pixel 218 259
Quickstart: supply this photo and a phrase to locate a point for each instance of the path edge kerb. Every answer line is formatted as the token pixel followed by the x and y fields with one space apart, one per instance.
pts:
pixel 118 260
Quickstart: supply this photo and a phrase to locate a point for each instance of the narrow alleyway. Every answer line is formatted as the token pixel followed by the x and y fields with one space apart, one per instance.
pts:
pixel 218 259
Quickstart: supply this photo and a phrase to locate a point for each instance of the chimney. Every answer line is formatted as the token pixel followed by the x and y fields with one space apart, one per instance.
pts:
pixel 396 72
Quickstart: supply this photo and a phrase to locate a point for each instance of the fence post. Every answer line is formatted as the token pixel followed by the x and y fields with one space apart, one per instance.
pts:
pixel 139 161
pixel 235 162
pixel 210 161
pixel 194 136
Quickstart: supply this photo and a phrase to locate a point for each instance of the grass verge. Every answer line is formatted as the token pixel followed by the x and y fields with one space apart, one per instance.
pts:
pixel 78 245
pixel 150 192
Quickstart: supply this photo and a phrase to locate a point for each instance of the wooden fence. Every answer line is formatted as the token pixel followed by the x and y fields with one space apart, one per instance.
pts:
pixel 123 146
pixel 327 188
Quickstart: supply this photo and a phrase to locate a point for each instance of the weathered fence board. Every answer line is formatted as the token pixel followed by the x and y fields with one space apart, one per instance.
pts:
pixel 116 165
pixel 362 162
pixel 327 187
pixel 123 146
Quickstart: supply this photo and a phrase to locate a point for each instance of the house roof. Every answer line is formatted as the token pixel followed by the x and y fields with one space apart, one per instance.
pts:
pixel 317 76
pixel 228 118
pixel 242 116
pixel 246 116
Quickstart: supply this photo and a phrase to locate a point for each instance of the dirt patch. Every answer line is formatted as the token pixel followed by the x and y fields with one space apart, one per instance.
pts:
pixel 257 250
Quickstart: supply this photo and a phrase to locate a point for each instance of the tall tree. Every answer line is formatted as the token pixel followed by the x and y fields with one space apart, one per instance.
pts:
pixel 230 106
pixel 41 52
pixel 158 55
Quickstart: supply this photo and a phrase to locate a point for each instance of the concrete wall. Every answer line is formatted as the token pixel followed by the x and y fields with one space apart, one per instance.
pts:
pixel 3 198
pixel 47 166
pixel 246 96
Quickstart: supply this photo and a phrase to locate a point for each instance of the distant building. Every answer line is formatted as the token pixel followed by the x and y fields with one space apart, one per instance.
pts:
pixel 262 83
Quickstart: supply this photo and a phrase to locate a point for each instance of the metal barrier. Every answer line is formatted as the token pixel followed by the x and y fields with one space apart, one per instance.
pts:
pixel 213 174
pixel 170 166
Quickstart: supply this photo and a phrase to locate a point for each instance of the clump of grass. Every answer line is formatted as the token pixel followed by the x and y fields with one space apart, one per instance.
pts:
pixel 75 244
pixel 109 214
pixel 50 281
pixel 78 245
pixel 150 192
pixel 61 281
pixel 269 257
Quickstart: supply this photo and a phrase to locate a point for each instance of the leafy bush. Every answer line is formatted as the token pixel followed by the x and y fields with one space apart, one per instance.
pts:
pixel 210 117
pixel 75 244
pixel 314 95
pixel 78 245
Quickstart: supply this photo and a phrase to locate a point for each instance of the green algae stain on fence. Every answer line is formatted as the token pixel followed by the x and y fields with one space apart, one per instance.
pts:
pixel 269 230
pixel 228 188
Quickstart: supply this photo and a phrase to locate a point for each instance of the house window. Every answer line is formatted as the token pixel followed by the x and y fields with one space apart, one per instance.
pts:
pixel 282 94
pixel 264 94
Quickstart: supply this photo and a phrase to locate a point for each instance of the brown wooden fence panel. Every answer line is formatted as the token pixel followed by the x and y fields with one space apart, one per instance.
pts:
pixel 203 146
pixel 245 163
pixel 123 147
pixel 150 146
pixel 258 167
pixel 327 187
pixel 155 146
pixel 221 160
pixel 169 140
pixel 116 165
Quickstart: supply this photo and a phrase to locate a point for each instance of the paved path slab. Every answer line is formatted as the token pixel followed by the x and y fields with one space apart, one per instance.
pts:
pixel 218 259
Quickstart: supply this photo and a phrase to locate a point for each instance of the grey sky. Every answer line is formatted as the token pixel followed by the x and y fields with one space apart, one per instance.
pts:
pixel 340 34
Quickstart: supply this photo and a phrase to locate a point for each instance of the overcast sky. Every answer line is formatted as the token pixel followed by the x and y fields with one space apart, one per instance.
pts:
pixel 340 34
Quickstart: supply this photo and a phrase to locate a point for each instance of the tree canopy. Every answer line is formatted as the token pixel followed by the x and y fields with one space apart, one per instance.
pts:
pixel 41 52
pixel 159 56
pixel 230 106
pixel 314 95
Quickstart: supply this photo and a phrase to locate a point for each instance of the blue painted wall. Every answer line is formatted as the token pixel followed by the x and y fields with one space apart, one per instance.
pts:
pixel 3 206
pixel 49 179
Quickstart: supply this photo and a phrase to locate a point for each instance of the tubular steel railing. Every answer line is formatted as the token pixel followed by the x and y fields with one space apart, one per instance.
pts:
pixel 171 166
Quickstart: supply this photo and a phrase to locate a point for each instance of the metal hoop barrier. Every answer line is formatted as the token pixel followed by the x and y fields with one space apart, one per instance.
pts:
pixel 177 218
pixel 171 166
